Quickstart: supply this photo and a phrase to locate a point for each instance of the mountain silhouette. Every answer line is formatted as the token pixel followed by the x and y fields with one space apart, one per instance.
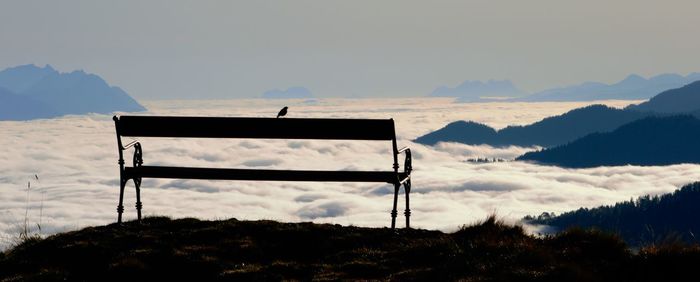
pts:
pixel 20 78
pixel 472 91
pixel 647 220
pixel 550 131
pixel 44 92
pixel 562 129
pixel 467 132
pixel 17 107
pixel 682 100
pixel 633 87
pixel 649 141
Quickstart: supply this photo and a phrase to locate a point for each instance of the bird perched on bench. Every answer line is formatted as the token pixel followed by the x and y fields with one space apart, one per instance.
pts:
pixel 282 112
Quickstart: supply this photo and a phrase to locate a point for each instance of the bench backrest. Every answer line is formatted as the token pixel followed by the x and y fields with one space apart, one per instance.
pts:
pixel 266 128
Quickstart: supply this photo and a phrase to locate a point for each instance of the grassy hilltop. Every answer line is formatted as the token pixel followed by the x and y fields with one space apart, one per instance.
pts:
pixel 196 250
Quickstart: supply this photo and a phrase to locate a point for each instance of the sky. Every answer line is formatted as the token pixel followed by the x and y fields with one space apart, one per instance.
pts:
pixel 236 49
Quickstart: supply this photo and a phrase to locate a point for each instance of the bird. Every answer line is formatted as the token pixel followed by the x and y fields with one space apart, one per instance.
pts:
pixel 282 112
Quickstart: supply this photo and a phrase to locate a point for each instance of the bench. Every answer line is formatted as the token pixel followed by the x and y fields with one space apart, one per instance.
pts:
pixel 262 128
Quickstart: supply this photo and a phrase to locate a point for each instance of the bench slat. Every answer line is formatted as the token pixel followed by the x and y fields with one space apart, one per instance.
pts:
pixel 256 174
pixel 268 128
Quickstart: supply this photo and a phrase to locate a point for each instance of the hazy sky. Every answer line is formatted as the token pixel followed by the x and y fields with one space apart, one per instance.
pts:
pixel 226 49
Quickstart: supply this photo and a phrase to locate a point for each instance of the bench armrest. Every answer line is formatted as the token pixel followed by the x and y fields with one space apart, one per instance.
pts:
pixel 407 164
pixel 131 144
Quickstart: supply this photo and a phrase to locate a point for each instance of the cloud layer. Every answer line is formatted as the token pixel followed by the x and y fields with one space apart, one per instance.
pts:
pixel 75 158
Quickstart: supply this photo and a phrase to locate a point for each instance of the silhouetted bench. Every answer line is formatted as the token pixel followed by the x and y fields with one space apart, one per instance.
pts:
pixel 262 128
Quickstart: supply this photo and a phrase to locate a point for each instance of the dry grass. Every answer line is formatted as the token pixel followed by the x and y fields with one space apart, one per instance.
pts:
pixel 191 249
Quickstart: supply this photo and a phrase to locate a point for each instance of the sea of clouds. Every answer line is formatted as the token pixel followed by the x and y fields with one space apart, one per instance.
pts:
pixel 75 160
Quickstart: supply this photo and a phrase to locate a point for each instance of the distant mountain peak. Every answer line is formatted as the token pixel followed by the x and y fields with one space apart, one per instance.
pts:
pixel 43 92
pixel 20 78
pixel 633 78
pixel 47 68
pixel 31 67
pixel 632 87
pixel 295 92
pixel 476 89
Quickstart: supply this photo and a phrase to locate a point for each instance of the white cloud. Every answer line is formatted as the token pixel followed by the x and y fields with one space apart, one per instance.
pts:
pixel 76 160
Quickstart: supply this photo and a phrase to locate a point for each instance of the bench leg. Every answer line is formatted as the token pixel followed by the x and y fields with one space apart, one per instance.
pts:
pixel 138 161
pixel 120 207
pixel 407 213
pixel 396 199
pixel 137 183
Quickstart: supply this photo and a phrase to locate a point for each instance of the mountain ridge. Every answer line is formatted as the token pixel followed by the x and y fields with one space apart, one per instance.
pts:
pixel 45 93
pixel 296 92
pixel 655 140
pixel 546 132
pixel 647 220
pixel 574 124
pixel 681 100
pixel 632 87
pixel 476 90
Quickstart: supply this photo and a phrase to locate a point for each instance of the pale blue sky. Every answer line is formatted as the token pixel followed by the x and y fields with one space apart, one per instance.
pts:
pixel 230 49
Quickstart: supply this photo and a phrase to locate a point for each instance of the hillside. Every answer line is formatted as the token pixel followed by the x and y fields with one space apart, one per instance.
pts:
pixel 565 128
pixel 649 141
pixel 644 221
pixel 682 100
pixel 161 249
pixel 467 132
pixel 44 92
pixel 548 132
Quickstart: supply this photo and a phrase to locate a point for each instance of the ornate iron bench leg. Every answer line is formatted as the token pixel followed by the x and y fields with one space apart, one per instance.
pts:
pixel 407 213
pixel 120 207
pixel 393 211
pixel 138 161
pixel 137 183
